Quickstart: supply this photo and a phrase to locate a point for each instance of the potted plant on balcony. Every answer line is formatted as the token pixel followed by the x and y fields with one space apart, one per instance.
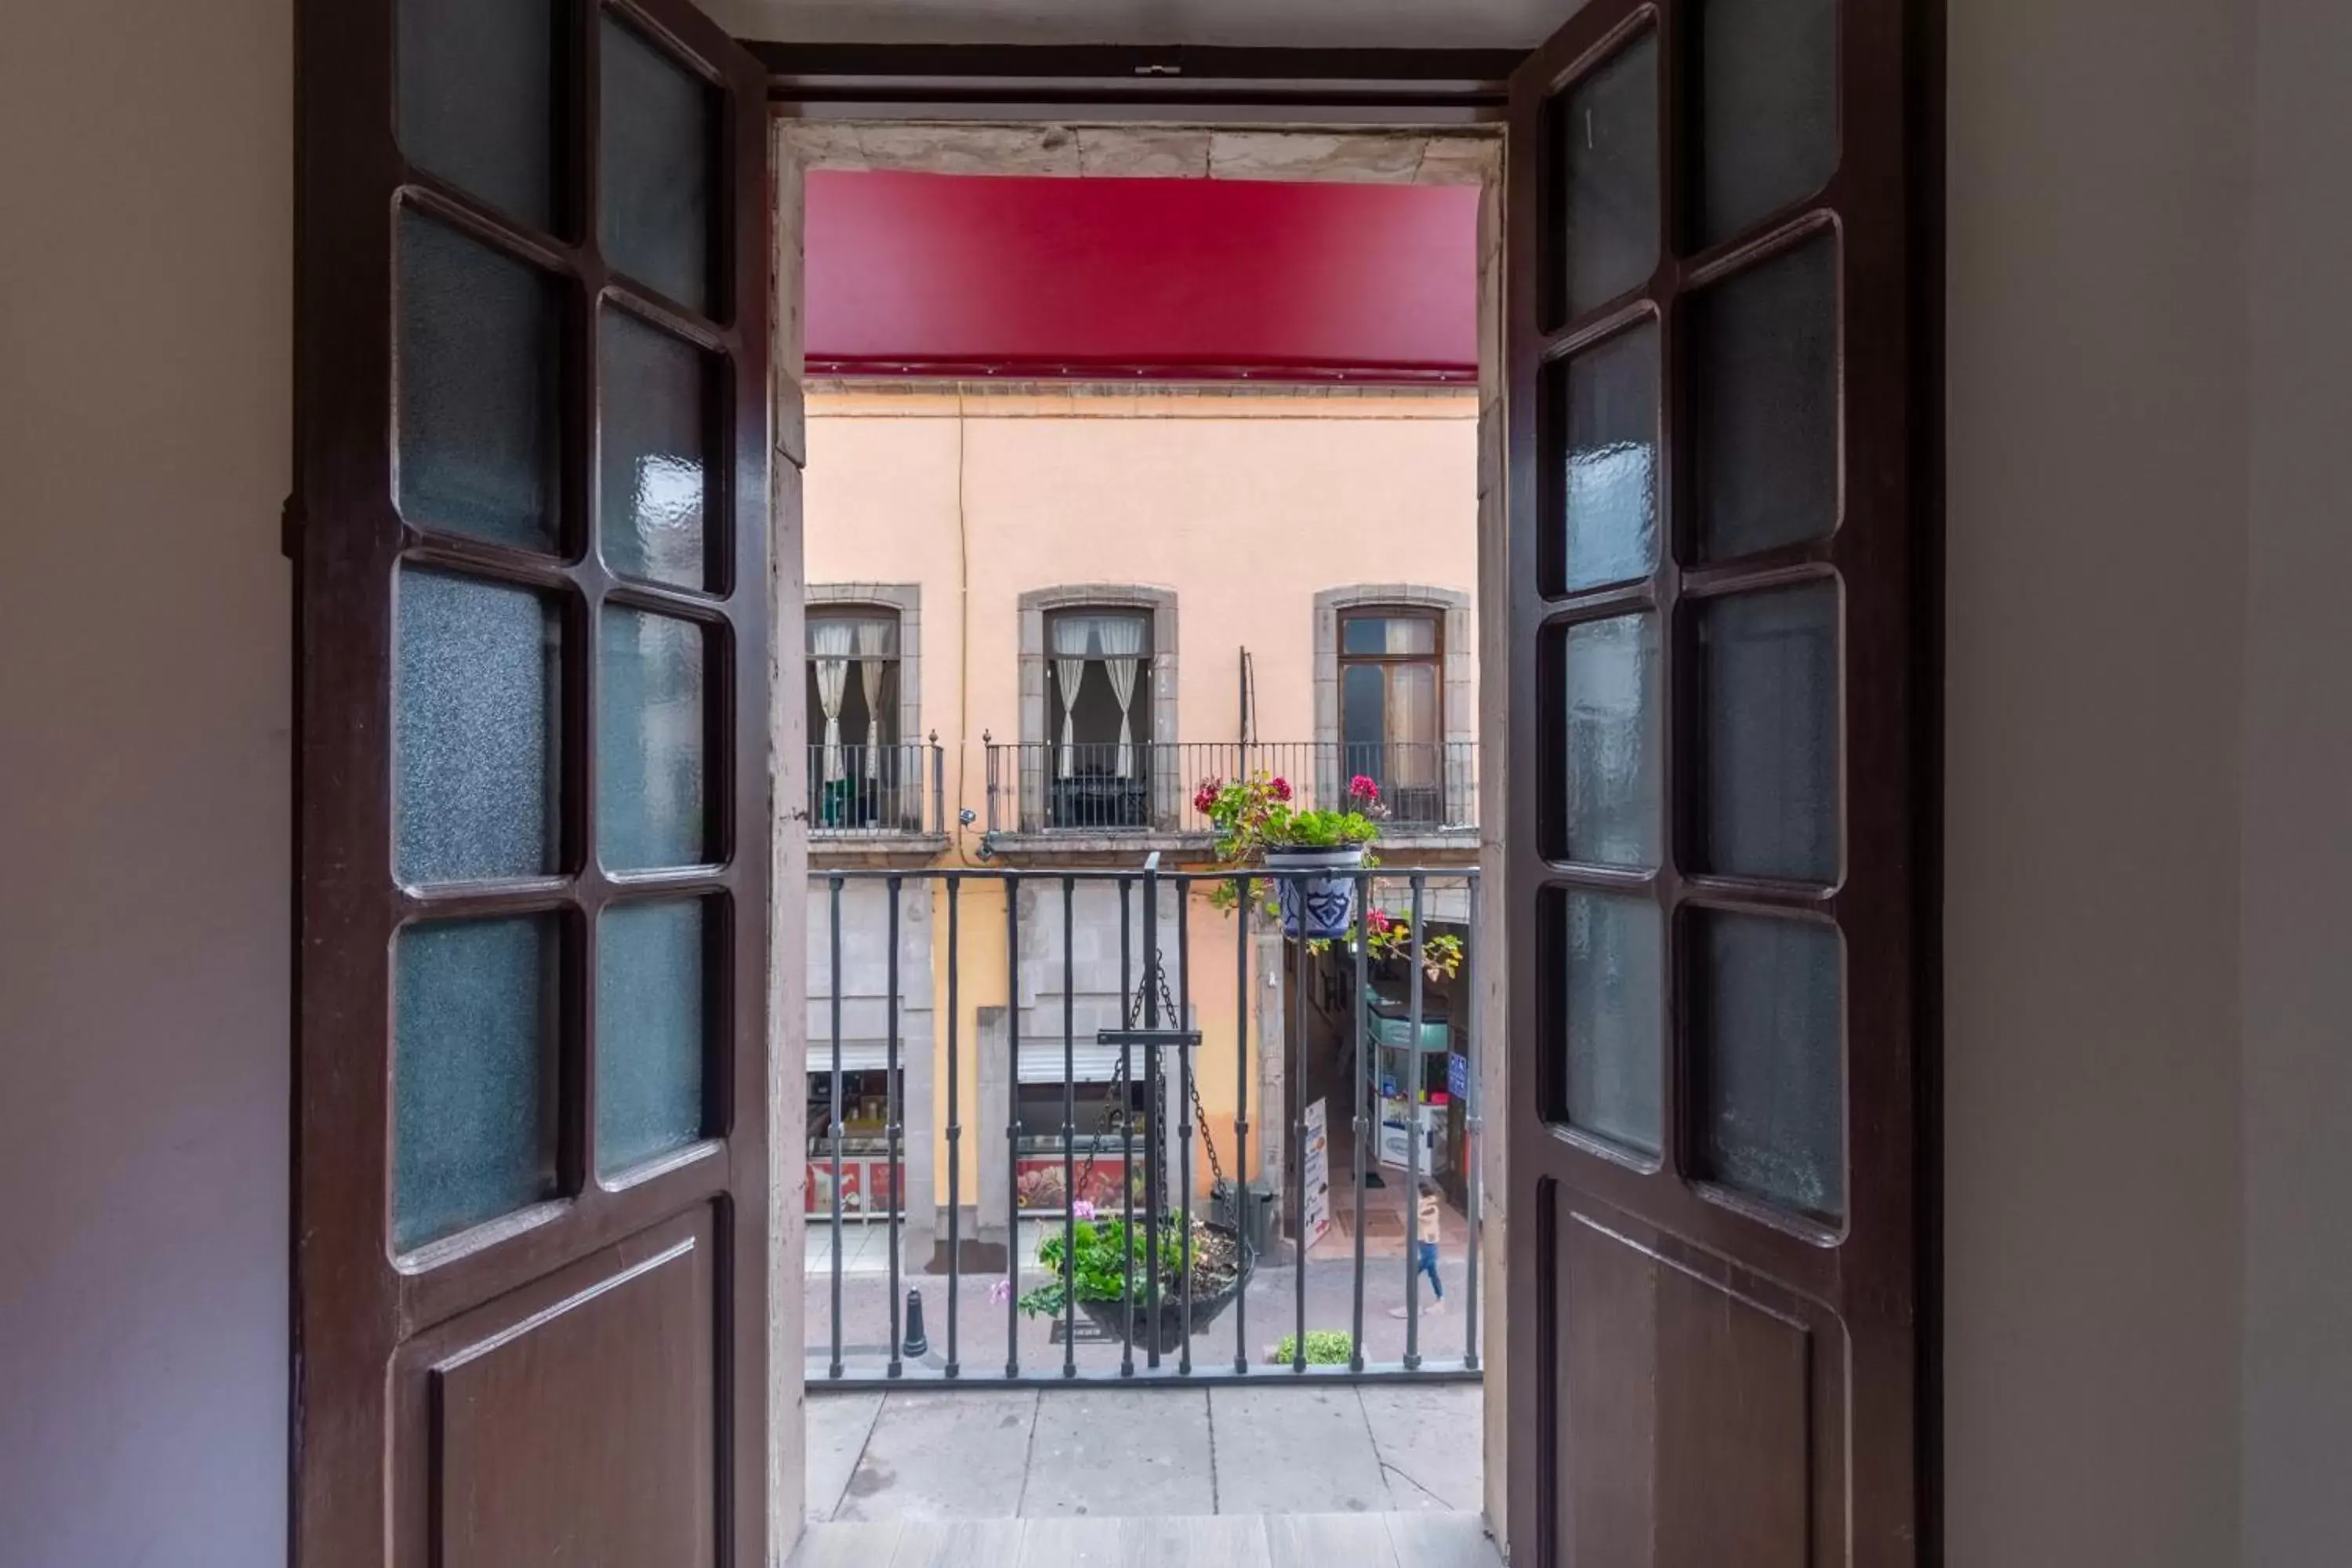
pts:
pixel 1314 853
pixel 1110 1276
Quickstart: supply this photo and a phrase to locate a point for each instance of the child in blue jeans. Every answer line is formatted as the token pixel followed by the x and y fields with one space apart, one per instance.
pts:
pixel 1425 1213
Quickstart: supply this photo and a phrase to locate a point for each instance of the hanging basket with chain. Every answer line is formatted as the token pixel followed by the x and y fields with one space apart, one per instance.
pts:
pixel 1203 1271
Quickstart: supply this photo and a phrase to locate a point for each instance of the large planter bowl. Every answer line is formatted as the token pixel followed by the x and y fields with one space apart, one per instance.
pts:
pixel 1321 904
pixel 1162 1329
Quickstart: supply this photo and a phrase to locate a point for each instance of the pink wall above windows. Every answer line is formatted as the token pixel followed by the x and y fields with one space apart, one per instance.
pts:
pixel 1192 279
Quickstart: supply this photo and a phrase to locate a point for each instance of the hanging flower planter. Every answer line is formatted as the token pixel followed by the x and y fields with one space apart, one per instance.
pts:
pixel 1313 858
pixel 1221 1273
pixel 1312 855
pixel 1112 1277
pixel 1315 889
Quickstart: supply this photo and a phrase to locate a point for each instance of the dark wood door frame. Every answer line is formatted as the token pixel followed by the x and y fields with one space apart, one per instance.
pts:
pixel 1384 91
pixel 1376 89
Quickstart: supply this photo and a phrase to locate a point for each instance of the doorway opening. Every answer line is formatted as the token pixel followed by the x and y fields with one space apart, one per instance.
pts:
pixel 1127 574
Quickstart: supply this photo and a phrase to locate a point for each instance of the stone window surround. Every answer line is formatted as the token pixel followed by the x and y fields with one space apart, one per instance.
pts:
pixel 1458 714
pixel 906 600
pixel 1038 602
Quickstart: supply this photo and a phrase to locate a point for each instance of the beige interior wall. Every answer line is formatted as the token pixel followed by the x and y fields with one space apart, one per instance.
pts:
pixel 2099 166
pixel 146 252
pixel 1244 503
pixel 2297 911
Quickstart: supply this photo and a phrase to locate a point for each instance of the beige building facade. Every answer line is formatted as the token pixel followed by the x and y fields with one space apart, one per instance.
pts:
pixel 1097 597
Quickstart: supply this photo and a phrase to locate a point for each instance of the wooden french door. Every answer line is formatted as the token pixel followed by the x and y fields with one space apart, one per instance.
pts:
pixel 1720 837
pixel 531 526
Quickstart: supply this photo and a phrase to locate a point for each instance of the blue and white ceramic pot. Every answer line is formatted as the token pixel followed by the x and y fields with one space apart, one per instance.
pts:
pixel 1316 890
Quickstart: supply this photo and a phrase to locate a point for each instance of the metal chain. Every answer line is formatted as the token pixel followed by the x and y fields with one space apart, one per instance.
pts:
pixel 1191 1079
pixel 1158 975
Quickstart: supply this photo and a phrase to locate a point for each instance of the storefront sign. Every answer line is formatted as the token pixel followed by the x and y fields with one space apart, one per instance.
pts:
pixel 1318 1174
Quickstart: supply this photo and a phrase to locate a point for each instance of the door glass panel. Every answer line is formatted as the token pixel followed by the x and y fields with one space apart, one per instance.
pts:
pixel 473 1074
pixel 477 98
pixel 1766 1058
pixel 1612 1082
pixel 1769 733
pixel 651 739
pixel 1768 107
pixel 654 496
pixel 1612 461
pixel 1605 135
pixel 1764 373
pixel 659 135
pixel 479 355
pixel 1363 715
pixel 475 699
pixel 651 1037
pixel 1613 728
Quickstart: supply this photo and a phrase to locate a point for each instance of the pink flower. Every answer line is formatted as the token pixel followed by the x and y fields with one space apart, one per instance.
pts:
pixel 1381 921
pixel 1082 1210
pixel 1361 787
pixel 1204 799
pixel 1001 1292
pixel 1280 789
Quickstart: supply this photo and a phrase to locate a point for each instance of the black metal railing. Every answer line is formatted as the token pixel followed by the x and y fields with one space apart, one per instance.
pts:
pixel 1151 788
pixel 1356 1002
pixel 877 791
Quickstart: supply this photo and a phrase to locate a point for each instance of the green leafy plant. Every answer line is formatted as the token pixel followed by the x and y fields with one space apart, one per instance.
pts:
pixel 1260 812
pixel 1324 1347
pixel 1254 814
pixel 1101 1264
pixel 1388 936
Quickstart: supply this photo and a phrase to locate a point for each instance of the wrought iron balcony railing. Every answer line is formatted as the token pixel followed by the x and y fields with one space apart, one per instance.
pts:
pixel 1002 1065
pixel 876 791
pixel 1046 787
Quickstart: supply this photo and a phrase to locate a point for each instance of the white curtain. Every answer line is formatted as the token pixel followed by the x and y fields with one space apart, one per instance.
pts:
pixel 874 643
pixel 1074 638
pixel 832 642
pixel 1121 640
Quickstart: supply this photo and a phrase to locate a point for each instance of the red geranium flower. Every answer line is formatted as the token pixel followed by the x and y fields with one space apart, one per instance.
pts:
pixel 1362 788
pixel 1281 788
pixel 1205 797
pixel 1380 919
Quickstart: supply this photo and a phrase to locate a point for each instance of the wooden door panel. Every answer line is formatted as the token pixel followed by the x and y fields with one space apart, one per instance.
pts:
pixel 533 785
pixel 1719 834
pixel 1707 1398
pixel 574 1420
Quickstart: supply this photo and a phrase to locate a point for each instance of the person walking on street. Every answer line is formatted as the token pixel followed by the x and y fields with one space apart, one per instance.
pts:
pixel 1426 1210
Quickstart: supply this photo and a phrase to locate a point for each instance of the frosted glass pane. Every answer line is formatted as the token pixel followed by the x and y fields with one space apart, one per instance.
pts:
pixel 475 699
pixel 650 742
pixel 650 1032
pixel 479 352
pixel 1614 768
pixel 473 1075
pixel 1612 461
pixel 1605 133
pixel 1768 729
pixel 1767 1066
pixel 654 498
pixel 477 98
pixel 660 125
pixel 1614 1014
pixel 1764 365
pixel 1768 107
